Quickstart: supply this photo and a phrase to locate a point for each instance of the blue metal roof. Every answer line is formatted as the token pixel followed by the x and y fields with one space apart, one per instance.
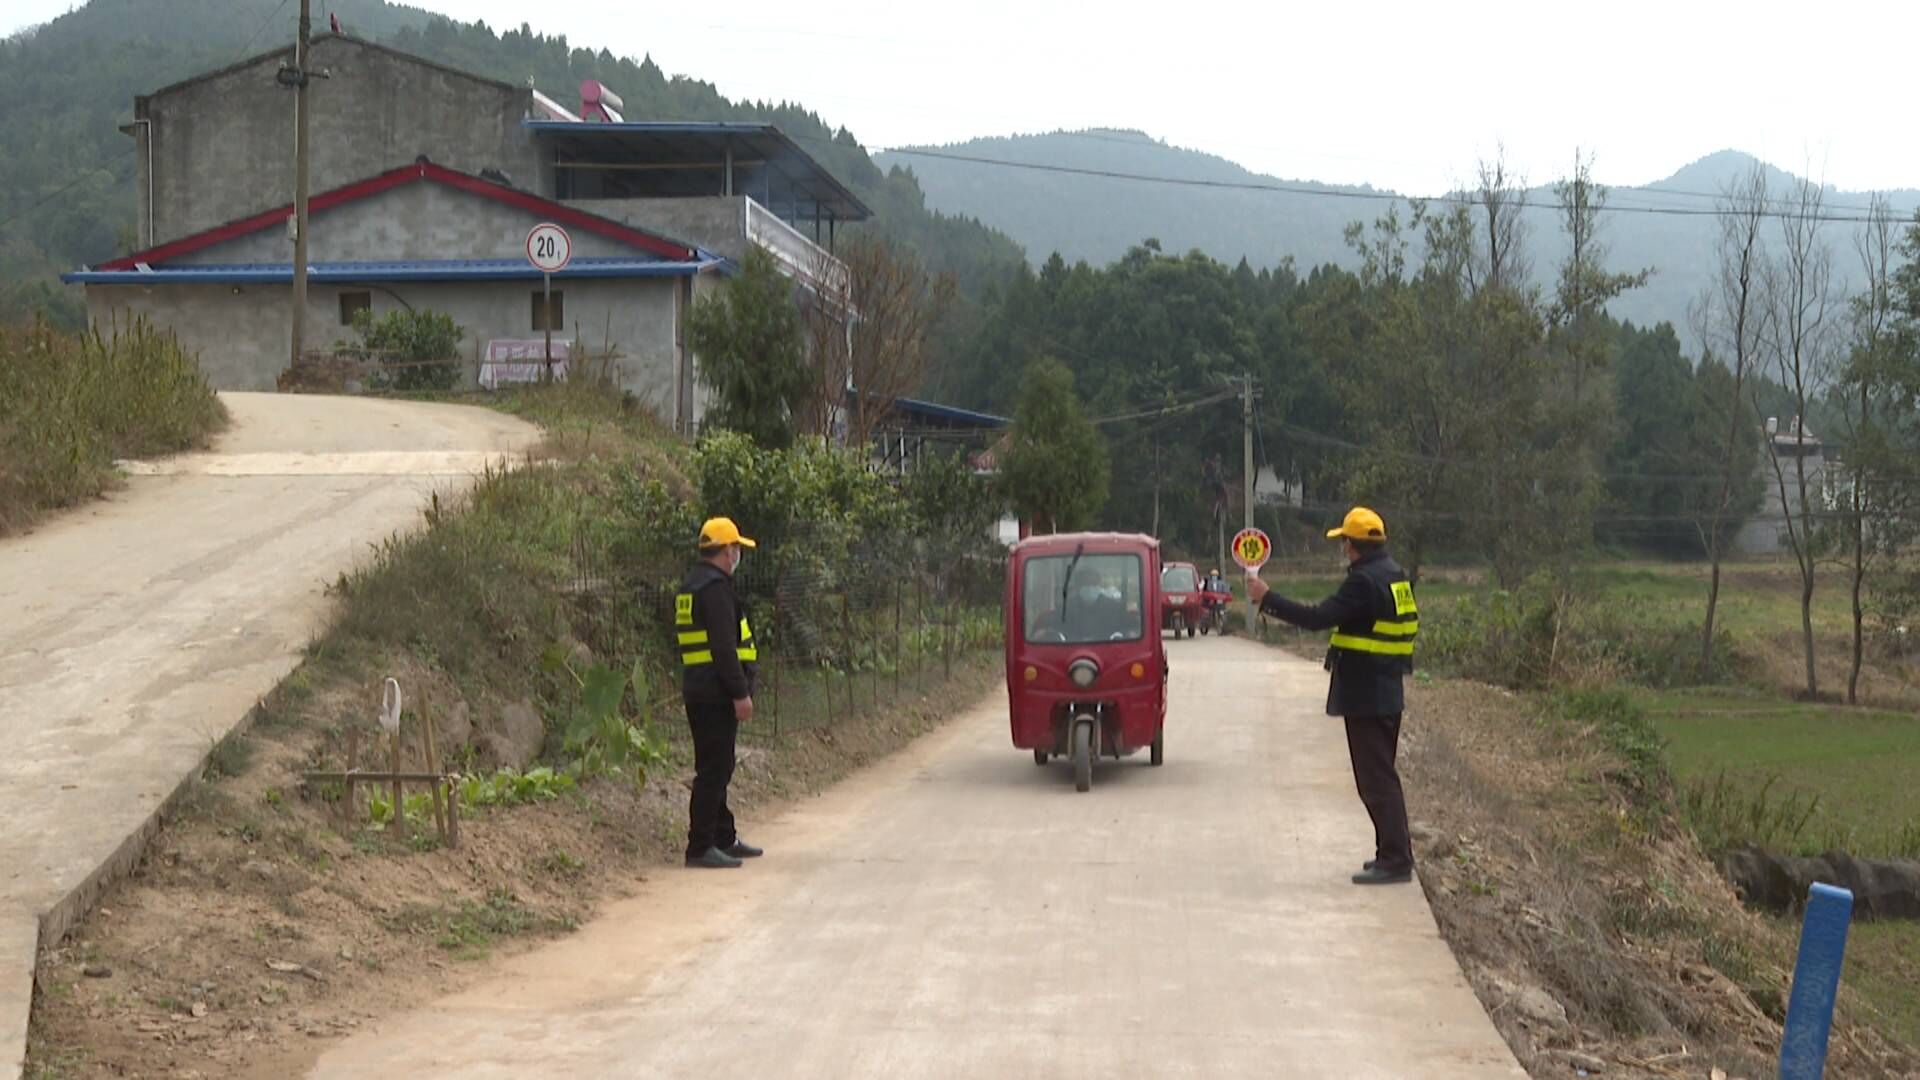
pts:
pixel 806 190
pixel 410 270
pixel 656 127
pixel 937 411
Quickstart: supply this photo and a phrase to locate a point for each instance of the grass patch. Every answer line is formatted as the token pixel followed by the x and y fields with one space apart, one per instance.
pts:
pixel 70 405
pixel 229 757
pixel 1883 963
pixel 1755 766
pixel 469 929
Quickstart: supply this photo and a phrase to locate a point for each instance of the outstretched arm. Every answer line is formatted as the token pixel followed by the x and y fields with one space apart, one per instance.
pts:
pixel 1351 602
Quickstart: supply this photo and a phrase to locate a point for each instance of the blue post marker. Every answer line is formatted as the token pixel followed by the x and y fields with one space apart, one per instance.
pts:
pixel 1816 981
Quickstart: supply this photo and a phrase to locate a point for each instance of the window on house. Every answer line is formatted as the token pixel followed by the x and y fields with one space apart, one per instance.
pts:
pixel 351 303
pixel 540 310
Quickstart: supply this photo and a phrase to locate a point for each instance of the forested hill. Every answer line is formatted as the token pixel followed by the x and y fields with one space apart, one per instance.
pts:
pixel 1216 208
pixel 66 188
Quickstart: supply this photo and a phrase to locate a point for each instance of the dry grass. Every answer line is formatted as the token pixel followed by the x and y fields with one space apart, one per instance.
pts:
pixel 1553 859
pixel 71 405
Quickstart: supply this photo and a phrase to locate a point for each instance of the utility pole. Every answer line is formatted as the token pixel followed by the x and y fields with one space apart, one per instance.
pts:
pixel 1246 440
pixel 298 80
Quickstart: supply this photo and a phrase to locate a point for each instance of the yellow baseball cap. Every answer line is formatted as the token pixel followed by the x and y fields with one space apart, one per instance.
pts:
pixel 1361 524
pixel 719 532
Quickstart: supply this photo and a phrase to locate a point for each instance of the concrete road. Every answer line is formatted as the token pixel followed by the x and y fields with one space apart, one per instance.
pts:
pixel 139 630
pixel 958 912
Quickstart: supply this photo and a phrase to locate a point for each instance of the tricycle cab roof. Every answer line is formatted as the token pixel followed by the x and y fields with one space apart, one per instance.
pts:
pixel 1091 541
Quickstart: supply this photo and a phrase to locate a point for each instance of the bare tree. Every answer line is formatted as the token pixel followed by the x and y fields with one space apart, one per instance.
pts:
pixel 1801 344
pixel 873 312
pixel 1866 384
pixel 1732 312
pixel 1501 196
pixel 1579 411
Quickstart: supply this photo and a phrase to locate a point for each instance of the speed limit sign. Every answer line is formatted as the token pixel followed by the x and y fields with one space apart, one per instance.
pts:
pixel 549 248
pixel 1251 549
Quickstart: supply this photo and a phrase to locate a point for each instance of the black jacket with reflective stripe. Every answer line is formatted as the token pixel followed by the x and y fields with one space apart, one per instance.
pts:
pixel 716 612
pixel 1362 683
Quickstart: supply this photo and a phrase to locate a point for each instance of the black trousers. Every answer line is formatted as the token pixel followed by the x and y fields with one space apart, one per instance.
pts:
pixel 1373 742
pixel 709 822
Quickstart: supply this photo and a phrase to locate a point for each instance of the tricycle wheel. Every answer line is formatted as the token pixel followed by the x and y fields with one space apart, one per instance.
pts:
pixel 1039 757
pixel 1083 757
pixel 1159 748
pixel 1205 628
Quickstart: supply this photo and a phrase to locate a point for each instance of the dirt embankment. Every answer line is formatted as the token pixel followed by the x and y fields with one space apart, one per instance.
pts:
pixel 1595 932
pixel 259 925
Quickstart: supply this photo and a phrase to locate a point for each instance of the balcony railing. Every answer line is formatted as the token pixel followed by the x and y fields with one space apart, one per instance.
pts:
pixel 802 258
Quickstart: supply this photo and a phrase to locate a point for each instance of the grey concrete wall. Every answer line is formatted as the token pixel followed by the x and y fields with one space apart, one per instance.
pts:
pixel 241 332
pixel 223 147
pixel 1766 532
pixel 422 220
pixel 718 223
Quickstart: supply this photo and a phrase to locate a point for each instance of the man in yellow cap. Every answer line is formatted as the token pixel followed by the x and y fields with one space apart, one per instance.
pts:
pixel 717 661
pixel 1374 621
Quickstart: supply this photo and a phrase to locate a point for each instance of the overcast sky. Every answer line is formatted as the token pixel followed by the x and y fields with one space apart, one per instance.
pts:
pixel 1403 96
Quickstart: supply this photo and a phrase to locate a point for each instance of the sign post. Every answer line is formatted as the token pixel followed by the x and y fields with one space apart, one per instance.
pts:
pixel 1251 549
pixel 549 249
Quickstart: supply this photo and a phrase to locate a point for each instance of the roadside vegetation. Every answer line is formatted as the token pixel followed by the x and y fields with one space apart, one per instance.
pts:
pixel 73 404
pixel 529 618
pixel 1579 779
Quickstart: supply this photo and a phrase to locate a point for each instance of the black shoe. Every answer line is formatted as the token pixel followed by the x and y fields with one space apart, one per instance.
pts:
pixel 713 859
pixel 740 849
pixel 1370 864
pixel 1379 875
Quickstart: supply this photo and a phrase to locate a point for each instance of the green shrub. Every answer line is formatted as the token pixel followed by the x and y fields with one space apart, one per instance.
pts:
pixel 421 349
pixel 1543 634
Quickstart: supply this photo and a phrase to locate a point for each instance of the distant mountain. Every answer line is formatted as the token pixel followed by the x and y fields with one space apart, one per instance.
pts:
pixel 1046 192
pixel 1097 218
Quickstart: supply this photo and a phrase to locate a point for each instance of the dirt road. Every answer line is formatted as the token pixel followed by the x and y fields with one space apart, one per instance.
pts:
pixel 139 630
pixel 958 912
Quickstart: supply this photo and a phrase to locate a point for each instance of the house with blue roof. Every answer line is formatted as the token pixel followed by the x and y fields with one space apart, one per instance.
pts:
pixel 427 180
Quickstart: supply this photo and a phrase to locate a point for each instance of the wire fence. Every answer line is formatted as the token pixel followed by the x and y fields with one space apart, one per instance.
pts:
pixel 840 627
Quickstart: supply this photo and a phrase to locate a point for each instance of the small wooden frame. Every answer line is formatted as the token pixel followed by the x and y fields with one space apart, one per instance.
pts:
pixel 440 785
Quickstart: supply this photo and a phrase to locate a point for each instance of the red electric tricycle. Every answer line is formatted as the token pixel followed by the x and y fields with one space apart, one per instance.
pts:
pixel 1181 605
pixel 1086 667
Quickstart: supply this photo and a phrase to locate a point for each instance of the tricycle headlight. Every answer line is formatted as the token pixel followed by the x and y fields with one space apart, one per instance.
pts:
pixel 1083 672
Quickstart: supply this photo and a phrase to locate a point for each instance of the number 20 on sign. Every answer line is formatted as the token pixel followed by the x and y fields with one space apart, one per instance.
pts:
pixel 1251 549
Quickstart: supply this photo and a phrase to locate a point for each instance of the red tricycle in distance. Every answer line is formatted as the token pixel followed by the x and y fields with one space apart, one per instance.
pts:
pixel 1085 676
pixel 1181 604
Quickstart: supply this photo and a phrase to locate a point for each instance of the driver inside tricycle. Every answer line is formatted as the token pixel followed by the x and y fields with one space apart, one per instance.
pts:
pixel 1095 605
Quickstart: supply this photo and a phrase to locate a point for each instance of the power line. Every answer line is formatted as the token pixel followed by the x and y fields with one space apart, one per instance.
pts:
pixel 92 172
pixel 1335 193
pixel 1316 438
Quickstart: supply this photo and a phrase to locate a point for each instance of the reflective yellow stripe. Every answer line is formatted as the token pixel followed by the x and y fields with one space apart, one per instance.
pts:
pixel 683 609
pixel 1368 645
pixel 1396 629
pixel 693 637
pixel 748 652
pixel 702 656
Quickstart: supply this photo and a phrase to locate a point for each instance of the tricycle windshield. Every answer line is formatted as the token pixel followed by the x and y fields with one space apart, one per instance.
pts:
pixel 1179 579
pixel 1079 599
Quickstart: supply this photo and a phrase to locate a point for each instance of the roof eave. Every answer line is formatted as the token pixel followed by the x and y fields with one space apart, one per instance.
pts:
pixel 356 274
pixel 250 61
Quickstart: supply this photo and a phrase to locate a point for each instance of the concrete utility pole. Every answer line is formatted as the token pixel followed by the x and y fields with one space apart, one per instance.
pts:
pixel 1246 440
pixel 300 124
